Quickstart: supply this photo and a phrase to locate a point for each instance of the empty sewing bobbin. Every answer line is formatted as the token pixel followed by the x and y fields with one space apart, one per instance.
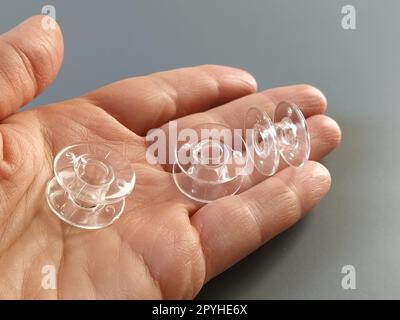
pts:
pixel 211 164
pixel 286 135
pixel 90 184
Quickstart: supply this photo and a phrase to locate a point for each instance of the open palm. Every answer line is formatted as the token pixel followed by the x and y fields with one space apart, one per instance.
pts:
pixel 164 245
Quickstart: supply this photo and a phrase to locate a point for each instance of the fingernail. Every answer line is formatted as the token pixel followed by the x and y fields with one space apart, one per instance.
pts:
pixel 243 76
pixel 247 77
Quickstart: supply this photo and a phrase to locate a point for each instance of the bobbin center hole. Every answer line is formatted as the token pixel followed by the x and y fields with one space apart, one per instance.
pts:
pixel 210 152
pixel 260 138
pixel 93 170
pixel 287 132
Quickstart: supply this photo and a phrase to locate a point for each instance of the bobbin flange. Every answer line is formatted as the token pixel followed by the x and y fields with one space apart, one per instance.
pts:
pixel 292 134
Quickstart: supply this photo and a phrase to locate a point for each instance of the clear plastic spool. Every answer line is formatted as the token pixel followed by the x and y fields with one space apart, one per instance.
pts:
pixel 286 135
pixel 90 184
pixel 211 166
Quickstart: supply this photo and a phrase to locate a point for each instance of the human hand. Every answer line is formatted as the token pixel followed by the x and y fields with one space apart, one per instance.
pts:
pixel 164 245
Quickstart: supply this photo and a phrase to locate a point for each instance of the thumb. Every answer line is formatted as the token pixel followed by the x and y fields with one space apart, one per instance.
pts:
pixel 31 55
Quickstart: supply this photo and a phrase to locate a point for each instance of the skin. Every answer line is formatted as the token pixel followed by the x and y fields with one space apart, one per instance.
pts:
pixel 164 245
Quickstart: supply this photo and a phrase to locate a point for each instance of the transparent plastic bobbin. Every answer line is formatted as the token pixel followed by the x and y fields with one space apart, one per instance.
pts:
pixel 286 135
pixel 212 164
pixel 90 184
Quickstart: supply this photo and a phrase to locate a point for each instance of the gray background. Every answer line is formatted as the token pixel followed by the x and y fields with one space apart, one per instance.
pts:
pixel 279 42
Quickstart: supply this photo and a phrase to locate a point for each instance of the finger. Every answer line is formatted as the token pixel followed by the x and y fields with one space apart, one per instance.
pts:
pixel 232 227
pixel 325 136
pixel 30 58
pixel 310 100
pixel 143 103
